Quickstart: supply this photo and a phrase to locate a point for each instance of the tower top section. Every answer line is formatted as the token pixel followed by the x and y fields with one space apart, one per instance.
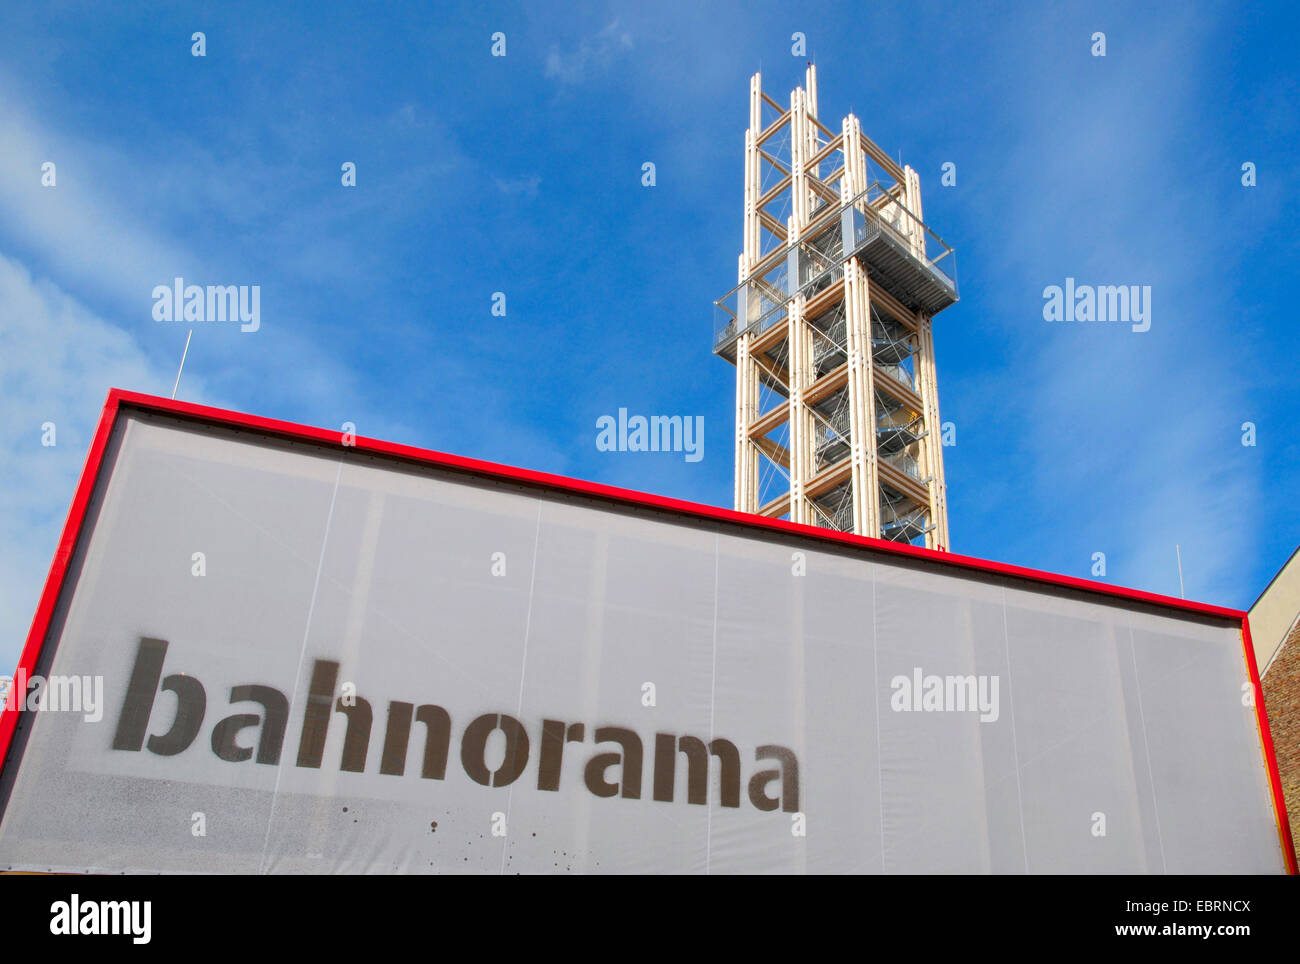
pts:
pixel 814 197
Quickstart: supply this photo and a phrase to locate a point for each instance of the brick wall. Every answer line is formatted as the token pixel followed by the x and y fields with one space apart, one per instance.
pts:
pixel 1282 703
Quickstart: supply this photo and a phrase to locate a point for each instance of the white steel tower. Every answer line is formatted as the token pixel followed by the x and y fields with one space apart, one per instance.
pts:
pixel 837 410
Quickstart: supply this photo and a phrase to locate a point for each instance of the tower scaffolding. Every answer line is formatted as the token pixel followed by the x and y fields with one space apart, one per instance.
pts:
pixel 830 330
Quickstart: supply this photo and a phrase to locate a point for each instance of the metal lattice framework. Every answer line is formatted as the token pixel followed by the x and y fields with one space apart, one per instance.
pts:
pixel 837 407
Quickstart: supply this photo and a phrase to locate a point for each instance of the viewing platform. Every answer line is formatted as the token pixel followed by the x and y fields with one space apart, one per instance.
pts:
pixel 893 245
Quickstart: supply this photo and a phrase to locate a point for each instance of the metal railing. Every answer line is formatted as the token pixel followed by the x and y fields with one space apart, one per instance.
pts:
pixel 878 206
pixel 761 300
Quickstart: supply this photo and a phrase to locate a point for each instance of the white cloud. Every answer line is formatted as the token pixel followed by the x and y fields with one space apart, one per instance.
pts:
pixel 595 52
pixel 75 225
pixel 104 235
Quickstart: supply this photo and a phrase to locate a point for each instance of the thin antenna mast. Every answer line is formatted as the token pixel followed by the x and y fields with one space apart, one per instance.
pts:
pixel 182 368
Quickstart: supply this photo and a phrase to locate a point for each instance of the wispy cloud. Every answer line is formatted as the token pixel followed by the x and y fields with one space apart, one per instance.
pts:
pixel 592 53
pixel 1129 435
pixel 525 186
pixel 78 227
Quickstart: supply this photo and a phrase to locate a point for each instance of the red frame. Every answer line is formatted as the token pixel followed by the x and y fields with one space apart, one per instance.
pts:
pixel 119 399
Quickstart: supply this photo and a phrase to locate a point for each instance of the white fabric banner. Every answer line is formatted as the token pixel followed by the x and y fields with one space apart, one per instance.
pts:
pixel 322 661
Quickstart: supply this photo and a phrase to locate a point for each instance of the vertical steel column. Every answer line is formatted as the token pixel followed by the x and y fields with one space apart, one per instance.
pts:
pixel 932 444
pixel 801 462
pixel 862 402
pixel 927 387
pixel 747 402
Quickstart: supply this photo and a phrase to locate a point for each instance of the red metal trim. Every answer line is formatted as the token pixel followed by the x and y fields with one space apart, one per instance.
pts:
pixel 118 399
pixel 1270 758
pixel 59 567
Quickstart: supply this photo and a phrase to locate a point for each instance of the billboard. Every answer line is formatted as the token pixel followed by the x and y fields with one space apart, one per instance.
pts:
pixel 265 648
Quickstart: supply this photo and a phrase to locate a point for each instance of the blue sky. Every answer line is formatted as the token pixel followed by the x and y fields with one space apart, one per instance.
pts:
pixel 522 174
